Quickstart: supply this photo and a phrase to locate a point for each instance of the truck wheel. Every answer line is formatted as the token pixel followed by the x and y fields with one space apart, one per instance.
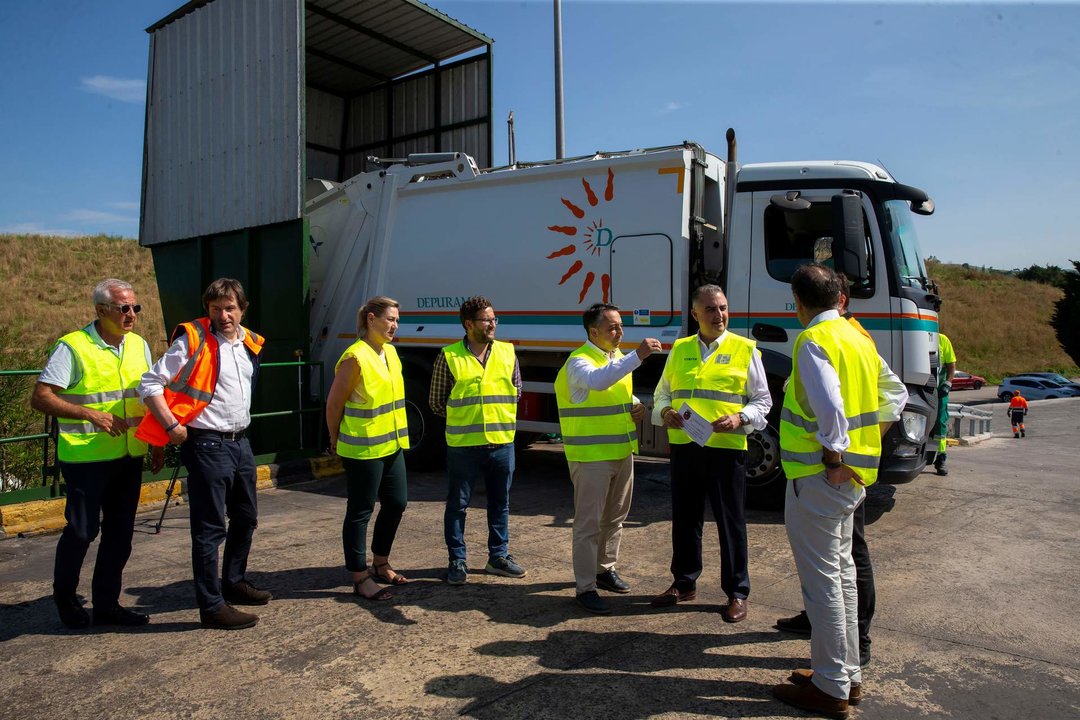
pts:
pixel 765 481
pixel 427 431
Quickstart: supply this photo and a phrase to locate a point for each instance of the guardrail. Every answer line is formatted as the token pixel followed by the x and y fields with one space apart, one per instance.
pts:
pixel 51 486
pixel 972 419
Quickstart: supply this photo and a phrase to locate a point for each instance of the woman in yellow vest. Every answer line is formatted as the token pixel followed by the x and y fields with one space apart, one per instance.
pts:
pixel 365 413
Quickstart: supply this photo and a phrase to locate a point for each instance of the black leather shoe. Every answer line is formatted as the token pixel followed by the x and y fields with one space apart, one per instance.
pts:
pixel 119 616
pixel 71 612
pixel 800 624
pixel 611 582
pixel 864 654
pixel 592 602
pixel 244 593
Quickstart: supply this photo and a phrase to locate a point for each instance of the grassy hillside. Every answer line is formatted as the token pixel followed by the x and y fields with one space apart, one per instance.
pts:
pixel 48 285
pixel 999 324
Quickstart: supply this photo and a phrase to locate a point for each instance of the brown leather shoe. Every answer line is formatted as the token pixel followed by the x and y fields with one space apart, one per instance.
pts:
pixel 244 593
pixel 734 611
pixel 673 596
pixel 809 697
pixel 802 676
pixel 228 618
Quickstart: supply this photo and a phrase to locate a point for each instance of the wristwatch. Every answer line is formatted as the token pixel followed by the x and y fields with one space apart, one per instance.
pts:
pixel 743 419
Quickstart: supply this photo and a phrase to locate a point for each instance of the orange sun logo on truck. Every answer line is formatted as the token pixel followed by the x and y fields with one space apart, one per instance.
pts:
pixel 595 237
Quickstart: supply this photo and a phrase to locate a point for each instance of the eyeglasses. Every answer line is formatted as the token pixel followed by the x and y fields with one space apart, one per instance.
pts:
pixel 485 321
pixel 124 309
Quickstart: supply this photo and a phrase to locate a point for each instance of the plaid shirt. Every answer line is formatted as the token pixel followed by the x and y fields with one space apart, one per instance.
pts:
pixel 442 380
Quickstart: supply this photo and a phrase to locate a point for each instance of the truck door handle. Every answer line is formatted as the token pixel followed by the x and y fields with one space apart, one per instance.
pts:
pixel 768 333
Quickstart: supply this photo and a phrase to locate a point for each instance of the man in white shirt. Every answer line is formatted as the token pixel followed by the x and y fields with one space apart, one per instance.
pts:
pixel 199 397
pixel 840 399
pixel 721 377
pixel 598 415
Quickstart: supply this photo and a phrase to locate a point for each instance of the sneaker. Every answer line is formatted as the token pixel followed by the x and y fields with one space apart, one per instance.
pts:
pixel 227 617
pixel 505 566
pixel 244 593
pixel 71 611
pixel 457 573
pixel 592 602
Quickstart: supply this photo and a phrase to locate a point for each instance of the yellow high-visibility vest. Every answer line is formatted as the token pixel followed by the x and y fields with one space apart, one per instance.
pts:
pixel 108 384
pixel 599 427
pixel 857 365
pixel 374 423
pixel 713 388
pixel 482 408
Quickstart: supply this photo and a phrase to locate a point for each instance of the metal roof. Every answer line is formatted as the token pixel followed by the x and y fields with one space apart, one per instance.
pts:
pixel 352 45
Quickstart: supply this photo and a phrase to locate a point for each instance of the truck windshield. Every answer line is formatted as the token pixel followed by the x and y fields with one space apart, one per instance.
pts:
pixel 905 244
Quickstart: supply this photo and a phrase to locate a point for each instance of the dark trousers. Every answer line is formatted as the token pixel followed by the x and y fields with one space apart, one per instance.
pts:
pixel 864 574
pixel 100 496
pixel 365 480
pixel 719 475
pixel 221 480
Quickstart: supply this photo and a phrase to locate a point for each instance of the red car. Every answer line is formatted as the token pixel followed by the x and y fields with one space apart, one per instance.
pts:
pixel 967 381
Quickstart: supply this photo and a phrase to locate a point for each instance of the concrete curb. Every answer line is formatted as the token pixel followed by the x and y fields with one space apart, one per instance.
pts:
pixel 39 517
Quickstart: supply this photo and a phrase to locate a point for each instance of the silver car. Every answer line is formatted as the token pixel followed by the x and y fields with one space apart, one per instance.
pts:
pixel 1034 388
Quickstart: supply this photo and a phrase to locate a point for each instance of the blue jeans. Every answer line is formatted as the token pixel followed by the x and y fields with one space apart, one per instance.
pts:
pixel 464 465
pixel 221 479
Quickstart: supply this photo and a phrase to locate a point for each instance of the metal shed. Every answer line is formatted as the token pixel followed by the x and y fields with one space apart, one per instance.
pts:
pixel 246 100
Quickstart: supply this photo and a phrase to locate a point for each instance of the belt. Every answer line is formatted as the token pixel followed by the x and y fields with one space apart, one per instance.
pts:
pixel 200 432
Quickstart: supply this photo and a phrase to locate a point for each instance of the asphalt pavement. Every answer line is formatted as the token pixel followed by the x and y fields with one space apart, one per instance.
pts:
pixel 977 577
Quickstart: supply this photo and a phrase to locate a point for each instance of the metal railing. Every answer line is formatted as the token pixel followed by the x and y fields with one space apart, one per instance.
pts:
pixel 972 419
pixel 50 466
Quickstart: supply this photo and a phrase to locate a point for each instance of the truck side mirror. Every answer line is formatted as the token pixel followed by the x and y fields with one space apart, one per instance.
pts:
pixel 849 237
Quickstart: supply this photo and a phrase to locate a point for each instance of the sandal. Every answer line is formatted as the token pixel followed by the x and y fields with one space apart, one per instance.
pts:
pixel 382 574
pixel 379 595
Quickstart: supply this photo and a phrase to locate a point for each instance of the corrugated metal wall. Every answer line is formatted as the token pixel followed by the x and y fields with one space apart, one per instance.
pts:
pixel 224 129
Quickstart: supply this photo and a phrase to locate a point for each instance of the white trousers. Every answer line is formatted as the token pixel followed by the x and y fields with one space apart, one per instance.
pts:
pixel 602 493
pixel 818 518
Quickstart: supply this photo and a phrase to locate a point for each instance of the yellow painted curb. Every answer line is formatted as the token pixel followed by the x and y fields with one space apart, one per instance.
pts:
pixel 322 467
pixel 32 517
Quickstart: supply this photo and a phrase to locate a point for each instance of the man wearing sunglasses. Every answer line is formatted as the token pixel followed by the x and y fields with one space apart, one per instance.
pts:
pixel 88 384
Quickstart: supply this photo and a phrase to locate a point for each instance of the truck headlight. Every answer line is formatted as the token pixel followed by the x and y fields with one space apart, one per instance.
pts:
pixel 913 426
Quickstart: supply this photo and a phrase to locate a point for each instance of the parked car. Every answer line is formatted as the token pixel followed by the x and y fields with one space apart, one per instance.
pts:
pixel 1034 388
pixel 966 381
pixel 1052 377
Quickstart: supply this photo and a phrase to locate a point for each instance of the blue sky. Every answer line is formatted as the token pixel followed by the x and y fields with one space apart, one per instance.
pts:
pixel 978 104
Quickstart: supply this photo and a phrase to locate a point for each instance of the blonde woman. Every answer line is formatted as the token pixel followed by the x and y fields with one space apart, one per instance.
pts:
pixel 365 413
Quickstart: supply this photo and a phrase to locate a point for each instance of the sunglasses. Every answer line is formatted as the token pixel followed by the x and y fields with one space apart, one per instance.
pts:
pixel 124 309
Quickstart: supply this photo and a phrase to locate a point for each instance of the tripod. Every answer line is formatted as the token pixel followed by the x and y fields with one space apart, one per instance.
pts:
pixel 168 496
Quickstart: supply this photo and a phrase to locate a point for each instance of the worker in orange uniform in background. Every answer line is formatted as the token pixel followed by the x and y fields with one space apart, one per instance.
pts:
pixel 1017 411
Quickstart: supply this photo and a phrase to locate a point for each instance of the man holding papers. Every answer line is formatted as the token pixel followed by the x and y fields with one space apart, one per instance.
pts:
pixel 717 376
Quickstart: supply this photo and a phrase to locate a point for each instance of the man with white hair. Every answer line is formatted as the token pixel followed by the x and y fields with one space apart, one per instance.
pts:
pixel 89 384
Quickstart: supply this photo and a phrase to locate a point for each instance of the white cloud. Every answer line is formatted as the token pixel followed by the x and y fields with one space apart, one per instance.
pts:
pixel 671 106
pixel 34 228
pixel 124 205
pixel 82 215
pixel 129 91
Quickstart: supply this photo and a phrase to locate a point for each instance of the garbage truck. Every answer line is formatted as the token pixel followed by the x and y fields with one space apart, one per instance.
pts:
pixel 640 229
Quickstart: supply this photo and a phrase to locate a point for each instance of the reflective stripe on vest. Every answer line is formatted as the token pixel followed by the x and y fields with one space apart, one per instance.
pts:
pixel 482 407
pixel 374 423
pixel 192 389
pixel 108 384
pixel 857 366
pixel 713 388
pixel 599 427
